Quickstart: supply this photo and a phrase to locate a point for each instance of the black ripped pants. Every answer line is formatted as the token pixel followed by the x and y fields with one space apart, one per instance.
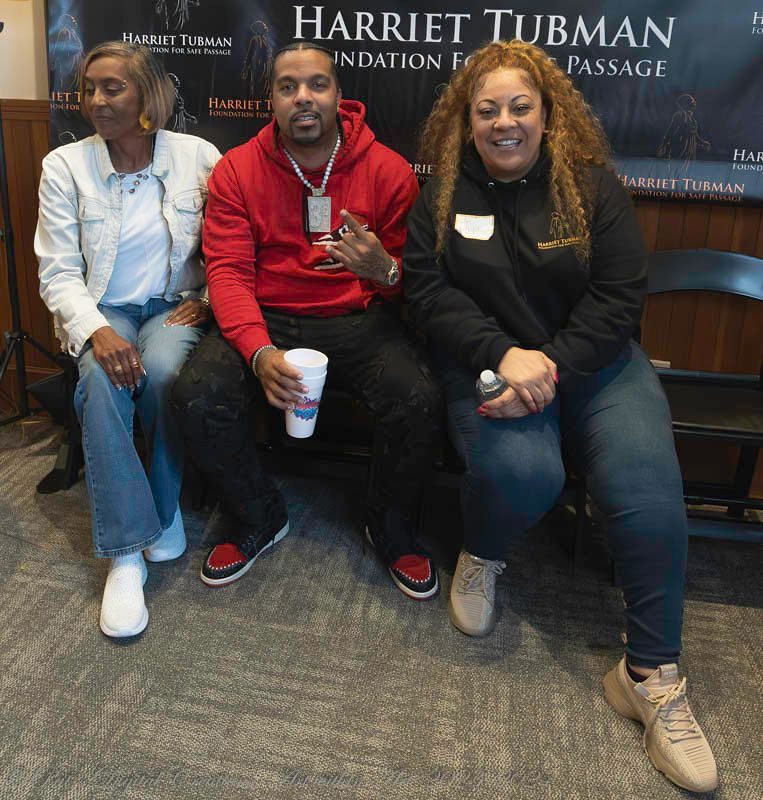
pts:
pixel 370 356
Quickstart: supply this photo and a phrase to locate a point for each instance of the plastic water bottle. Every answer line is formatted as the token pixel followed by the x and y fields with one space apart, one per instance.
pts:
pixel 489 386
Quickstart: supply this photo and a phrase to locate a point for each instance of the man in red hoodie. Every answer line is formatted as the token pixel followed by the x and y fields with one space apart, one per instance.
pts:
pixel 303 234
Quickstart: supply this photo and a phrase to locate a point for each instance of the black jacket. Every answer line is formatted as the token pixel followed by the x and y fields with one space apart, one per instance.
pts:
pixel 522 284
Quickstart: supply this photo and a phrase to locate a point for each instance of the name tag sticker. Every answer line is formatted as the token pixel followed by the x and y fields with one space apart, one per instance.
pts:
pixel 473 227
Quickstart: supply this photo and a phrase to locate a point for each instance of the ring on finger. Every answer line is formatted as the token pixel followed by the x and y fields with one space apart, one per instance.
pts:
pixel 118 368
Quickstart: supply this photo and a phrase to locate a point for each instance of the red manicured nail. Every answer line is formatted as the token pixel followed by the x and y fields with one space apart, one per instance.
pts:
pixel 556 377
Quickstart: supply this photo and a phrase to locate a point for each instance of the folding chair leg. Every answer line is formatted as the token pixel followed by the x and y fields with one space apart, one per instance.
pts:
pixel 65 472
pixel 70 458
pixel 745 472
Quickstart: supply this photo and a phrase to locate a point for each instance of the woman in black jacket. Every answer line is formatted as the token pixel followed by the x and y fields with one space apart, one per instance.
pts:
pixel 524 257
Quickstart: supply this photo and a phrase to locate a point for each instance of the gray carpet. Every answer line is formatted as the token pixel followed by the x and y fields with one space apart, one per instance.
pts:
pixel 313 677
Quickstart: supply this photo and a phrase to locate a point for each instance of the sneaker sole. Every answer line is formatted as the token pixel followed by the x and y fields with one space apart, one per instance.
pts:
pixel 400 585
pixel 122 634
pixel 613 694
pixel 240 574
pixel 406 590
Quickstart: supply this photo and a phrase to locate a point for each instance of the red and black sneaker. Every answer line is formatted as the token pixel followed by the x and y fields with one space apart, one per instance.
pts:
pixel 415 575
pixel 226 562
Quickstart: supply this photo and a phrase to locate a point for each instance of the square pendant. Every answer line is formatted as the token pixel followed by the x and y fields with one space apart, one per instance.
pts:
pixel 319 214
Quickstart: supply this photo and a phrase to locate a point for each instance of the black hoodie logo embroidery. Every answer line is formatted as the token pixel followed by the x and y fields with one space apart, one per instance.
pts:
pixel 557 230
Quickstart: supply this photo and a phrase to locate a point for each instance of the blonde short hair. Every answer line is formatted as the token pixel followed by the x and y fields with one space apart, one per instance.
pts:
pixel 156 90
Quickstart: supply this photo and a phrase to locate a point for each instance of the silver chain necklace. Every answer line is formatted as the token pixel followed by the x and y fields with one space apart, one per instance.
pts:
pixel 140 178
pixel 317 191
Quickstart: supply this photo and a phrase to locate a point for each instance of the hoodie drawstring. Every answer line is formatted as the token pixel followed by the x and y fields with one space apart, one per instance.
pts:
pixel 512 247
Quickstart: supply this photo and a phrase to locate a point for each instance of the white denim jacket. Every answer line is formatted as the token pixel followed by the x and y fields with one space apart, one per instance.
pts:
pixel 81 216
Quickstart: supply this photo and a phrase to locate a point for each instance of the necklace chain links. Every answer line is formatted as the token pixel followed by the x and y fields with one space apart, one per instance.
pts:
pixel 318 191
pixel 140 177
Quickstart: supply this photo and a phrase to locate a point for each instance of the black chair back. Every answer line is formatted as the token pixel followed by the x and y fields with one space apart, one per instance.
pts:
pixel 705 271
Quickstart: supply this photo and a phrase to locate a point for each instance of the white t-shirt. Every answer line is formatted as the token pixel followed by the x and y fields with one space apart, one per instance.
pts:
pixel 142 266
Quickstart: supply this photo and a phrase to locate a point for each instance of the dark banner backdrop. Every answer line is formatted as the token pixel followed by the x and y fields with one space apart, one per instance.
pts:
pixel 678 84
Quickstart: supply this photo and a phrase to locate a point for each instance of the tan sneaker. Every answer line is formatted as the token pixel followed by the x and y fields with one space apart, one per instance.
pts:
pixel 673 739
pixel 472 594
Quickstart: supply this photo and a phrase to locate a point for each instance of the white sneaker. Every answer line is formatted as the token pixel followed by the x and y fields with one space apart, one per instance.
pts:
pixel 171 544
pixel 123 611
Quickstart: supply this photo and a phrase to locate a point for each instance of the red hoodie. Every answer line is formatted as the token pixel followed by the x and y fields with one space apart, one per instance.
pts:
pixel 256 249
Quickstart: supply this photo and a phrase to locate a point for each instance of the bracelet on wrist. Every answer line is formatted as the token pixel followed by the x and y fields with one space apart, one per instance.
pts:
pixel 393 274
pixel 257 354
pixel 205 301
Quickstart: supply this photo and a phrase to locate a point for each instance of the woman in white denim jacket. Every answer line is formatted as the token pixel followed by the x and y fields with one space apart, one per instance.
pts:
pixel 118 241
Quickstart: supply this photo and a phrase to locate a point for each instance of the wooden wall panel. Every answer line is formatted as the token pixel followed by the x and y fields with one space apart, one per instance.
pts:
pixel 759 243
pixel 670 226
pixel 696 220
pixel 721 227
pixel 751 343
pixel 746 228
pixel 25 132
pixel 727 354
pixel 648 216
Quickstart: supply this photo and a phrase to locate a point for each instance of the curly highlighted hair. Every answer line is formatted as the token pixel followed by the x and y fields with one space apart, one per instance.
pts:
pixel 574 138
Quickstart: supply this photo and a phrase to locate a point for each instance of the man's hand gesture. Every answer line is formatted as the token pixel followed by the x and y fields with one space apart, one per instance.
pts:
pixel 360 251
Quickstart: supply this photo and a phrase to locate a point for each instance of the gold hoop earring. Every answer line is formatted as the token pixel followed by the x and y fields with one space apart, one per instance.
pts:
pixel 144 122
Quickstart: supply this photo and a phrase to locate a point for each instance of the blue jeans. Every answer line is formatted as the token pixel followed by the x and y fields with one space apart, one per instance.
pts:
pixel 130 509
pixel 614 428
